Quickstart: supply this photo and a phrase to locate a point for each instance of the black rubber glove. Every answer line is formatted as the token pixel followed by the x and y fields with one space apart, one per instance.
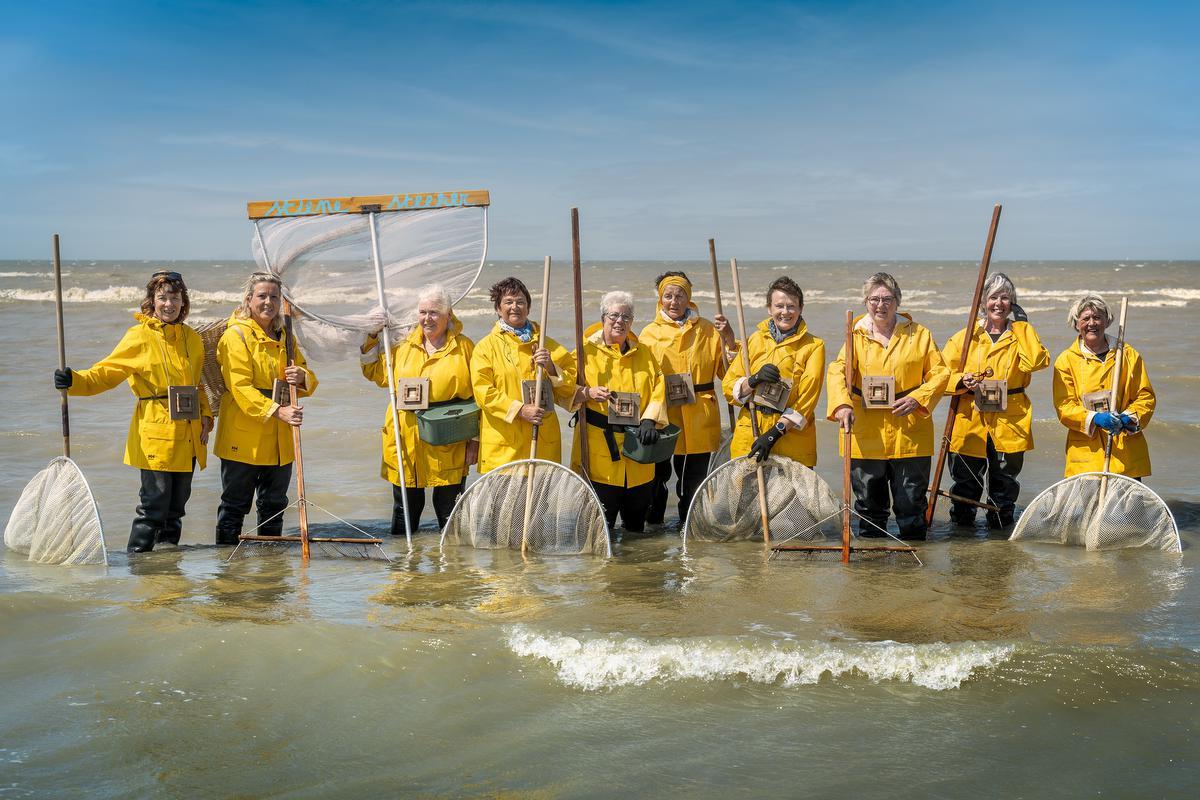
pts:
pixel 63 378
pixel 647 433
pixel 763 444
pixel 767 373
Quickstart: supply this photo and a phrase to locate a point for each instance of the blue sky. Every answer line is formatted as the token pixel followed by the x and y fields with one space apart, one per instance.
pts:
pixel 786 130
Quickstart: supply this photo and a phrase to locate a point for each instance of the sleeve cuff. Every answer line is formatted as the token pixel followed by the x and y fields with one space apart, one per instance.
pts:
pixel 368 357
pixel 1089 427
pixel 741 391
pixel 514 408
pixel 271 411
pixel 556 379
pixel 798 420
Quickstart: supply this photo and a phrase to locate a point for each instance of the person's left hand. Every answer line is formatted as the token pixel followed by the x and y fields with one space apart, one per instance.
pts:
pixel 763 444
pixel 721 323
pixel 647 433
pixel 472 452
pixel 294 376
pixel 206 425
pixel 904 406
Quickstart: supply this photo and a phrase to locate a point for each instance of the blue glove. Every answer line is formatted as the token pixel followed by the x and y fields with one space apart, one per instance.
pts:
pixel 63 378
pixel 763 444
pixel 1128 423
pixel 1106 420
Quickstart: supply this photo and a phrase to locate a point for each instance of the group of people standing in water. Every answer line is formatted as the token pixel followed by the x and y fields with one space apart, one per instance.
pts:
pixel 665 378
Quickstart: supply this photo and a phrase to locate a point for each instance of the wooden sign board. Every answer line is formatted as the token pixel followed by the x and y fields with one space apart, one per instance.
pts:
pixel 407 201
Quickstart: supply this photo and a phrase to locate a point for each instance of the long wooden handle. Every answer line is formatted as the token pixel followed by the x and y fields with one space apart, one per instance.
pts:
pixel 289 346
pixel 580 375
pixel 1114 395
pixel 968 336
pixel 62 346
pixel 537 403
pixel 763 511
pixel 848 375
pixel 712 259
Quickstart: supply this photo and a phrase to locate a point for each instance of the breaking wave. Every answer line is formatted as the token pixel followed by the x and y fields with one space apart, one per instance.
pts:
pixel 611 662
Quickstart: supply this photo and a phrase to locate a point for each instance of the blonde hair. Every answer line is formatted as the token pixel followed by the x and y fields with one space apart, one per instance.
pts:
pixel 881 279
pixel 1093 301
pixel 243 310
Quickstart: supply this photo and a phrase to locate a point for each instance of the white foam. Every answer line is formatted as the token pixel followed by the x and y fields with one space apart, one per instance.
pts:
pixel 1181 294
pixel 124 295
pixel 29 274
pixel 606 663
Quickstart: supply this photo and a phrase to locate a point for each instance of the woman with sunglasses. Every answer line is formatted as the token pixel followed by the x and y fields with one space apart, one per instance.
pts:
pixel 254 439
pixel 161 359
pixel 899 376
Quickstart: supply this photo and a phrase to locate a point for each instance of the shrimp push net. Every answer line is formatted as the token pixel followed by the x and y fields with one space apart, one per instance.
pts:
pixel 55 521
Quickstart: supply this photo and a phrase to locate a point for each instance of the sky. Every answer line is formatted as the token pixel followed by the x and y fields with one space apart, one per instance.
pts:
pixel 849 130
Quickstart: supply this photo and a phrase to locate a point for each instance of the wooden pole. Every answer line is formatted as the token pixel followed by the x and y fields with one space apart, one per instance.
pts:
pixel 537 402
pixel 848 374
pixel 712 259
pixel 289 345
pixel 1114 396
pixel 580 376
pixel 968 336
pixel 62 346
pixel 745 349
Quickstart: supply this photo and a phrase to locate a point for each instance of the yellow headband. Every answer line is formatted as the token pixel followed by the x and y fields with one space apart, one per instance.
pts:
pixel 674 280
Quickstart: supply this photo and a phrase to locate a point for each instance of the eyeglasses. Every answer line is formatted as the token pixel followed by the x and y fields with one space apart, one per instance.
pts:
pixel 168 274
pixel 626 318
pixel 887 300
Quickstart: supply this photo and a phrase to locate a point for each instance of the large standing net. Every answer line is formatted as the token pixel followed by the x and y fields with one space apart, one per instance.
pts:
pixel 565 514
pixel 1071 512
pixel 800 505
pixel 55 521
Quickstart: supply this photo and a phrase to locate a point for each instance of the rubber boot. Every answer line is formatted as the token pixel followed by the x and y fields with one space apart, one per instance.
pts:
pixel 227 537
pixel 141 538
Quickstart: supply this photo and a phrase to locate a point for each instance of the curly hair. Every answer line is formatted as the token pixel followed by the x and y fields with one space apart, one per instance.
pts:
pixel 509 285
pixel 172 282
pixel 787 286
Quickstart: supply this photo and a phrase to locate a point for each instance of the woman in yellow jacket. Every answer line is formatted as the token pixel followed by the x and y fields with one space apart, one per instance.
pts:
pixel 437 351
pixel 161 359
pixel 692 353
pixel 1083 375
pixel 992 432
pixel 899 376
pixel 614 362
pixel 254 437
pixel 503 374
pixel 785 358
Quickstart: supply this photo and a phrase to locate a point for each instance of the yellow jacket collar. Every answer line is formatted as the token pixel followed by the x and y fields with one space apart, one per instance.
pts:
pixel 168 330
pixel 801 328
pixel 497 329
pixel 594 335
pixel 453 328
pixel 1081 349
pixel 252 327
pixel 689 319
pixel 863 323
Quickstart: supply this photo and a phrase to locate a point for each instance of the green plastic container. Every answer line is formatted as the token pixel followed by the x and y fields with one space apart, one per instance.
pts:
pixel 449 424
pixel 661 450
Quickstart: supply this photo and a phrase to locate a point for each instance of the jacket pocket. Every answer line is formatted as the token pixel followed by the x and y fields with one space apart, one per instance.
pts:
pixel 169 431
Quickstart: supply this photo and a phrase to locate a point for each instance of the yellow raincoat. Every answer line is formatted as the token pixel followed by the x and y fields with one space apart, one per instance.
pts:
pixel 1077 373
pixel 800 359
pixel 449 374
pixel 1013 357
pixel 152 356
pixel 694 347
pixel 912 358
pixel 635 370
pixel 250 362
pixel 498 365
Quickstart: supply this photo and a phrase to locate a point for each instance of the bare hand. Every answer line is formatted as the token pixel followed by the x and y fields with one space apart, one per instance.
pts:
pixel 294 376
pixel 472 452
pixel 721 323
pixel 531 413
pixel 970 380
pixel 292 415
pixel 206 425
pixel 904 406
pixel 541 358
pixel 845 417
pixel 600 394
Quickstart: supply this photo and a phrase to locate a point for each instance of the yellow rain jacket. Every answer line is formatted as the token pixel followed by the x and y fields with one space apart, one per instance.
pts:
pixel 1077 373
pixel 694 347
pixel 635 370
pixel 250 362
pixel 449 374
pixel 1013 357
pixel 912 358
pixel 800 359
pixel 152 356
pixel 498 365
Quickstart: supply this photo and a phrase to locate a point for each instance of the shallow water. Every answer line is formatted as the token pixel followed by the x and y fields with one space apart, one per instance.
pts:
pixel 994 669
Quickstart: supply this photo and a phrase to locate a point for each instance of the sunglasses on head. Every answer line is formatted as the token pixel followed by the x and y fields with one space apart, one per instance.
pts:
pixel 168 274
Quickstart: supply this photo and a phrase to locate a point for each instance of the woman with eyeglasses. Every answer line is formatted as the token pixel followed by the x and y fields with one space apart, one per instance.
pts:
pixel 899 376
pixel 161 359
pixel 692 353
pixel 438 353
pixel 254 437
pixel 787 365
pixel 993 428
pixel 504 375
pixel 623 387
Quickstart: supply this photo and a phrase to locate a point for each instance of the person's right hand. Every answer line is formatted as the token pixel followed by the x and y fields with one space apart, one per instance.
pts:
pixel 1108 421
pixel 531 413
pixel 63 378
pixel 541 358
pixel 598 393
pixel 292 415
pixel 845 417
pixel 767 373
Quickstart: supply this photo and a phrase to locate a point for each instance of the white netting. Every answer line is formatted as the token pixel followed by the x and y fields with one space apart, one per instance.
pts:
pixel 55 521
pixel 800 505
pixel 566 516
pixel 328 269
pixel 1070 512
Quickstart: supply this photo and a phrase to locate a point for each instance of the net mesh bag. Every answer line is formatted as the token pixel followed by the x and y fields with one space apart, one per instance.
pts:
pixel 1070 512
pixel 566 516
pixel 211 379
pixel 800 505
pixel 55 520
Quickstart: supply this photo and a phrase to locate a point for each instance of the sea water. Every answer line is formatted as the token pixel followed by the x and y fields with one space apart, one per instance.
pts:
pixel 991 669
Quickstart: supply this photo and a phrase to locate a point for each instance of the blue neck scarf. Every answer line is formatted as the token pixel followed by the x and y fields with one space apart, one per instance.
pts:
pixel 524 333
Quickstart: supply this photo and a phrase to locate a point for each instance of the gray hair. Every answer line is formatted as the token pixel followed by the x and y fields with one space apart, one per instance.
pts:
pixel 438 294
pixel 616 298
pixel 996 283
pixel 1089 301
pixel 881 279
